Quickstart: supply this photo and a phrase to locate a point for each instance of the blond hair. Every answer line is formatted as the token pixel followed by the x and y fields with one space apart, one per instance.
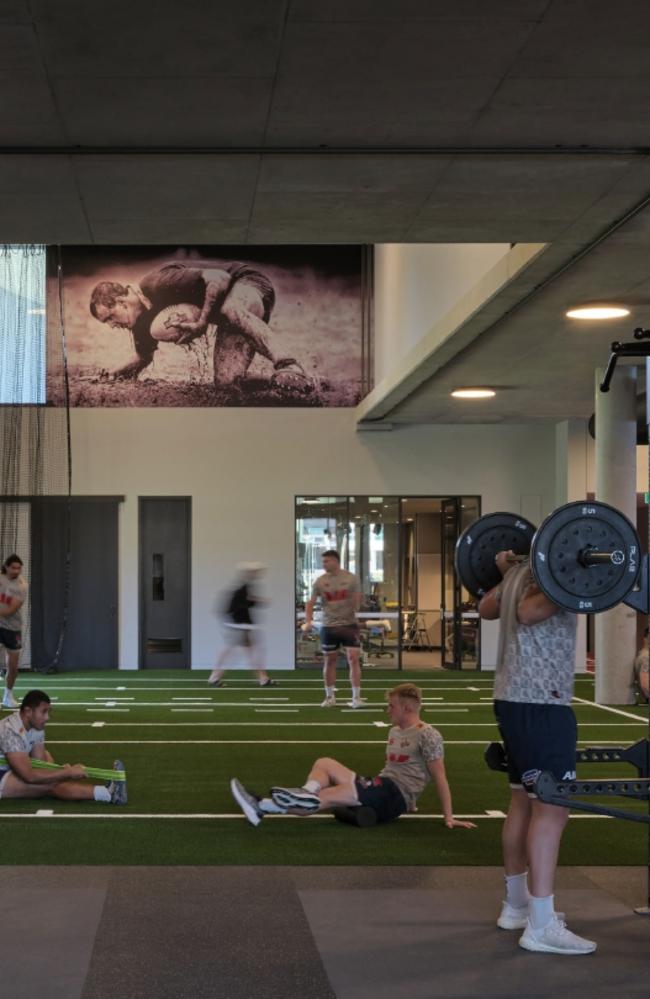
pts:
pixel 406 692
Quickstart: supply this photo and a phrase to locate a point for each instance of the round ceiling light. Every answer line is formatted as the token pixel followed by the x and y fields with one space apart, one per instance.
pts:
pixel 473 393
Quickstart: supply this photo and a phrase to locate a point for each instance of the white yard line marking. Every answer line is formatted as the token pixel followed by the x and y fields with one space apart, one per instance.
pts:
pixel 44 813
pixel 195 711
pixel 114 700
pixel 614 711
pixel 192 816
pixel 305 724
pixel 191 698
pixel 242 742
pixel 265 700
pixel 107 709
pixel 495 813
pixel 98 724
pixel 277 711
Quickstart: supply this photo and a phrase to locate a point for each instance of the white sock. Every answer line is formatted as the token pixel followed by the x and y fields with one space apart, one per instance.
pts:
pixel 313 786
pixel 269 806
pixel 356 693
pixel 101 793
pixel 329 691
pixel 517 890
pixel 540 911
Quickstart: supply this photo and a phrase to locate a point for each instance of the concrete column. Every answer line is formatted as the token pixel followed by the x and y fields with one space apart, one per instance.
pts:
pixel 616 484
pixel 570 485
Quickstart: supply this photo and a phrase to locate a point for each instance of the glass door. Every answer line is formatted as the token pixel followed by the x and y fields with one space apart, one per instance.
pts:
pixel 450 589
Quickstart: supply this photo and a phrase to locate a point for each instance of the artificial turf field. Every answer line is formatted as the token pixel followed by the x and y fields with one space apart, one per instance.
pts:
pixel 181 742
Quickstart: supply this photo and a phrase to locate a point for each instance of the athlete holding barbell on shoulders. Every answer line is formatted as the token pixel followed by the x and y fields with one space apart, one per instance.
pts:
pixel 533 689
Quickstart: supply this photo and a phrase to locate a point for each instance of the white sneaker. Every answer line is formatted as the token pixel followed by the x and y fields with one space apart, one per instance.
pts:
pixel 555 938
pixel 329 702
pixel 9 701
pixel 512 917
pixel 356 702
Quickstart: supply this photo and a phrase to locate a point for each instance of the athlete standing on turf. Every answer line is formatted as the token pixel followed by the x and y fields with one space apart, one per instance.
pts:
pixel 22 739
pixel 533 688
pixel 13 593
pixel 340 596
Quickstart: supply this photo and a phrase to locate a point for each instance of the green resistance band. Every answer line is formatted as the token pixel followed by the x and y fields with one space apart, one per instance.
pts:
pixel 96 772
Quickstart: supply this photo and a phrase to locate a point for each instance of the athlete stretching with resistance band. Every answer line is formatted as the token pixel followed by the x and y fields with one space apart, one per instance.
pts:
pixel 28 771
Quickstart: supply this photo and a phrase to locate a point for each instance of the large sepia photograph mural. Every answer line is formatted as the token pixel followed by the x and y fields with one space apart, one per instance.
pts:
pixel 209 326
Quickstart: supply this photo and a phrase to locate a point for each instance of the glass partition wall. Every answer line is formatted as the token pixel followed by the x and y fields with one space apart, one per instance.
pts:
pixel 414 614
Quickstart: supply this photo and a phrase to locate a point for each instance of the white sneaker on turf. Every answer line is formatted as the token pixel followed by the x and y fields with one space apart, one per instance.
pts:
pixel 356 702
pixel 247 802
pixel 555 938
pixel 329 702
pixel 295 797
pixel 512 917
pixel 9 701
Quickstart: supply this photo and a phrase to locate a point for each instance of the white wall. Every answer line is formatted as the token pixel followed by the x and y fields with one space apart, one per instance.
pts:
pixel 416 285
pixel 243 469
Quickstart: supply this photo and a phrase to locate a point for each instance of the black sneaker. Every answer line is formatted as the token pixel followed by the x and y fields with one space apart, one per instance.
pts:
pixel 295 798
pixel 248 803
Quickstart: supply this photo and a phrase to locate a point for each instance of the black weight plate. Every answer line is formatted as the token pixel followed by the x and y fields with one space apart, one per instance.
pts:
pixel 572 530
pixel 481 541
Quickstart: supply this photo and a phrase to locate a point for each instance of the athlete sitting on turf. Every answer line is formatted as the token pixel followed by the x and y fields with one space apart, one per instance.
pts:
pixel 22 739
pixel 414 756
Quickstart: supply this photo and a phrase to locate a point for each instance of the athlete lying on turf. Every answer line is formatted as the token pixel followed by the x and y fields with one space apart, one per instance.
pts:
pixel 22 739
pixel 414 757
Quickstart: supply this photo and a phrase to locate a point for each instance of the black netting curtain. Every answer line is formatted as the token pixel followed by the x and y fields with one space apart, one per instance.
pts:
pixel 34 437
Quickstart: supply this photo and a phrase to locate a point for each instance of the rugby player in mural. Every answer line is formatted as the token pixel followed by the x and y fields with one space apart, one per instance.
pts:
pixel 178 302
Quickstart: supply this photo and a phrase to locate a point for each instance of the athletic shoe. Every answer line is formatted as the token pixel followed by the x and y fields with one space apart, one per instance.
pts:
pixel 9 701
pixel 269 683
pixel 117 788
pixel 329 702
pixel 356 702
pixel 555 938
pixel 296 798
pixel 216 683
pixel 248 803
pixel 514 918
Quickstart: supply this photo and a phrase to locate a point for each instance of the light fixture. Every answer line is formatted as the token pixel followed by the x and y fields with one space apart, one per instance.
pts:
pixel 473 393
pixel 595 311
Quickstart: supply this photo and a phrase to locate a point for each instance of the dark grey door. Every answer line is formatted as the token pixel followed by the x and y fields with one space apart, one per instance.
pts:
pixel 79 604
pixel 165 592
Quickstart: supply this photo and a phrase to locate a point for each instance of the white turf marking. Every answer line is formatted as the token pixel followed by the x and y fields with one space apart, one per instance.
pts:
pixel 614 711
pixel 109 704
pixel 305 724
pixel 191 698
pixel 114 700
pixel 120 688
pixel 106 709
pixel 98 724
pixel 265 700
pixel 195 711
pixel 449 705
pixel 277 711
pixel 243 742
pixel 44 813
pixel 495 813
pixel 164 816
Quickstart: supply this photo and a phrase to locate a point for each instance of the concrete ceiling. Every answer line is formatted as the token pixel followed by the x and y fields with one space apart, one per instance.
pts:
pixel 270 121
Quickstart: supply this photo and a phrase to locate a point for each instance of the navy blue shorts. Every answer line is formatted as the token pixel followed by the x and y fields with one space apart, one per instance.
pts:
pixel 346 635
pixel 12 640
pixel 537 737
pixel 382 794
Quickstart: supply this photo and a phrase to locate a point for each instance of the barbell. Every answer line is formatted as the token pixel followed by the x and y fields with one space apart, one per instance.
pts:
pixel 585 557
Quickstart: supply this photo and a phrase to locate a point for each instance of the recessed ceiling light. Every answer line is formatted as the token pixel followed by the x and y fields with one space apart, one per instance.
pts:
pixel 473 393
pixel 598 312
